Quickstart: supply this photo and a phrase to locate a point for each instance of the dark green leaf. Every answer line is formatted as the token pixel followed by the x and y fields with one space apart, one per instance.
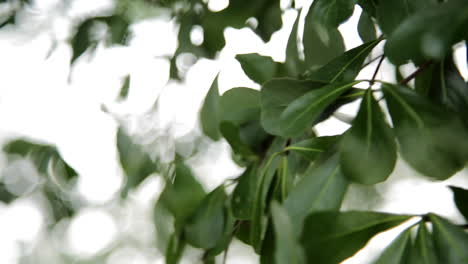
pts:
pixel 210 112
pixel 366 28
pixel 240 105
pixel 228 233
pixel 287 248
pixel 11 20
pixel 332 13
pixel 429 33
pixel 423 251
pixel 321 43
pixel 81 41
pixel 182 197
pixel 243 196
pixel 276 95
pixel 204 229
pixel 460 196
pixel 344 68
pixel 321 188
pixel 257 67
pixel 135 162
pixel 231 133
pixel 268 171
pixel 293 63
pixel 175 249
pixel 369 6
pixel 398 251
pixel 313 147
pixel 431 138
pixel 46 158
pixel 331 237
pixel 303 111
pixel 443 84
pixel 368 150
pixel 451 241
pixel 5 195
pixel 125 87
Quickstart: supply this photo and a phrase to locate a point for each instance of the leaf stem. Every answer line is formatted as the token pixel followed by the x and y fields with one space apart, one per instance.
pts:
pixel 416 72
pixel 377 70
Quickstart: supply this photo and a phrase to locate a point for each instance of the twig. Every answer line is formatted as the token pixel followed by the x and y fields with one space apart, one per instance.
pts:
pixel 371 61
pixel 377 70
pixel 416 72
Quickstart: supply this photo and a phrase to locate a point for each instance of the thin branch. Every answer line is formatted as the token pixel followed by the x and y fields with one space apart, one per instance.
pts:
pixel 371 61
pixel 377 70
pixel 416 72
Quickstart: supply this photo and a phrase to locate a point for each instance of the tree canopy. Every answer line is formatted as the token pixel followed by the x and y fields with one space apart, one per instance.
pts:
pixel 286 203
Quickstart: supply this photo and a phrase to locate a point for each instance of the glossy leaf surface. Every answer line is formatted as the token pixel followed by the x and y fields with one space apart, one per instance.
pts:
pixel 373 139
pixel 431 138
pixel 331 237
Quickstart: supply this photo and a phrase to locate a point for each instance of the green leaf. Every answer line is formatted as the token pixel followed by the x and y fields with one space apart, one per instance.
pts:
pixel 398 251
pixel 45 157
pixel 81 41
pixel 5 195
pixel 429 33
pixel 303 111
pixel 321 43
pixel 118 27
pixel 183 195
pixel 59 202
pixel 226 237
pixel 332 13
pixel 450 241
pixel 268 171
pixel 443 84
pixel 366 28
pixel 431 138
pixel 243 195
pixel 175 249
pixel 369 6
pixel 287 248
pixel 135 162
pixel 311 148
pixel 125 87
pixel 164 225
pixel 331 237
pixel 204 229
pixel 231 133
pixel 210 112
pixel 460 196
pixel 368 150
pixel 423 251
pixel 293 63
pixel 346 67
pixel 321 188
pixel 240 105
pixel 257 67
pixel 267 13
pixel 276 95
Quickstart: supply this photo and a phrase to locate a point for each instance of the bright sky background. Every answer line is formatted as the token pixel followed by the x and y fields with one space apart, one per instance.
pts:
pixel 38 101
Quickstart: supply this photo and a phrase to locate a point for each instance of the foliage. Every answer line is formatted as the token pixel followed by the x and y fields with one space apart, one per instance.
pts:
pixel 286 203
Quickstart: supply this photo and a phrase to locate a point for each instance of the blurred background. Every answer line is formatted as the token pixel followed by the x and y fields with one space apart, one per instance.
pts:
pixel 72 113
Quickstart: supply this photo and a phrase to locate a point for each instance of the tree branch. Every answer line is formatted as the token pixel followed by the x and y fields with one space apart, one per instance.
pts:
pixel 416 72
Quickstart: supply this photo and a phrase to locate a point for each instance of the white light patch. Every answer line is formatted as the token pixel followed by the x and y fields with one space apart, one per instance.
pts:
pixel 22 221
pixel 91 231
pixel 217 5
pixel 127 255
pixel 196 35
